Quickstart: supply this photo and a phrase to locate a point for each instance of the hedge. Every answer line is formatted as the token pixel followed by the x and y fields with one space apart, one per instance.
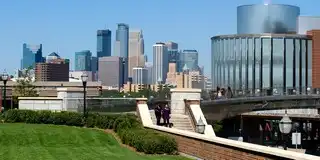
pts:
pixel 127 126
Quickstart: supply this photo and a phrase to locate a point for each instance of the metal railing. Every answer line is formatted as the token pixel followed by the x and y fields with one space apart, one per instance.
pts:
pixel 263 98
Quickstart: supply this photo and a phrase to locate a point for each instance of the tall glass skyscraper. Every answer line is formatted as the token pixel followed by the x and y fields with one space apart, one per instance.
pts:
pixel 32 54
pixel 83 61
pixel 267 18
pixel 188 58
pixel 103 43
pixel 121 48
pixel 173 53
pixel 122 37
pixel 160 63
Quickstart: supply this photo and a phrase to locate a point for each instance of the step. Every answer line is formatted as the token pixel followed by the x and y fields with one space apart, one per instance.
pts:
pixel 180 121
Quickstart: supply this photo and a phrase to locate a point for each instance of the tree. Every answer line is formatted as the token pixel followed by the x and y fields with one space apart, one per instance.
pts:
pixel 164 91
pixel 147 92
pixel 217 126
pixel 112 94
pixel 24 86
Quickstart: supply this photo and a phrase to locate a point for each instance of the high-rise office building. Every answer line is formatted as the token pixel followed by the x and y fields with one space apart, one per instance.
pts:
pixel 135 61
pixel 111 71
pixel 83 61
pixel 56 69
pixel 136 43
pixel 122 38
pixel 160 62
pixel 149 67
pixel 103 43
pixel 172 45
pixel 185 79
pixel 136 51
pixel 94 67
pixel 173 53
pixel 121 48
pixel 32 54
pixel 52 56
pixel 140 75
pixel 188 58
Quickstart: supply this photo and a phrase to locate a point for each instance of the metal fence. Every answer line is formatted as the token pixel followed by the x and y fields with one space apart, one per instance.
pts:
pixel 102 105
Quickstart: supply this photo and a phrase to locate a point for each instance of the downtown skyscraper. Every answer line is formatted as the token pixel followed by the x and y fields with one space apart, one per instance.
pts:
pixel 188 58
pixel 160 63
pixel 83 61
pixel 31 55
pixel 121 47
pixel 173 54
pixel 103 43
pixel 136 56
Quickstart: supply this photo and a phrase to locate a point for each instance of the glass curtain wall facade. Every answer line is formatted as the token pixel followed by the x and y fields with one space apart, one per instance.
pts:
pixel 188 58
pixel 83 61
pixel 267 18
pixel 32 54
pixel 262 64
pixel 103 43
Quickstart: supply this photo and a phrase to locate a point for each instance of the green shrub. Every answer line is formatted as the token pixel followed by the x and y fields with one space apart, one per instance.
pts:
pixel 127 126
pixel 148 141
pixel 2 117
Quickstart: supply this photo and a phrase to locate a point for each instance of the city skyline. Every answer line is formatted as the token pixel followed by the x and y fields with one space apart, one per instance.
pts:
pixel 60 32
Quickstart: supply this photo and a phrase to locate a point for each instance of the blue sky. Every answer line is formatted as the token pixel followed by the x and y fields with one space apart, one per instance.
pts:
pixel 67 26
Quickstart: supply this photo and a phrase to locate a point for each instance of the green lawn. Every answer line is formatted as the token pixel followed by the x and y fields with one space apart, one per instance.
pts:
pixel 49 142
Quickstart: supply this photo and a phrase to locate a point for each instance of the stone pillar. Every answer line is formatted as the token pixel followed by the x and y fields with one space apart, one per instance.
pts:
pixel 178 97
pixel 142 111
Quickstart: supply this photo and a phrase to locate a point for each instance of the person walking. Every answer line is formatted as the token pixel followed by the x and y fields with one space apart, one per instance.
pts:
pixel 166 115
pixel 157 112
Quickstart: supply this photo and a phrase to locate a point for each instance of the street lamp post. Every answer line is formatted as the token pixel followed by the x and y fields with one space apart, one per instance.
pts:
pixel 285 127
pixel 4 78
pixel 84 78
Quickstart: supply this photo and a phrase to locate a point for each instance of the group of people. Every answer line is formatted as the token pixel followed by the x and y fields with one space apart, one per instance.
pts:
pixel 222 93
pixel 163 112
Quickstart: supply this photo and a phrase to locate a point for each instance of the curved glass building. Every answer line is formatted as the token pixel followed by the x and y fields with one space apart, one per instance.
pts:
pixel 254 64
pixel 267 18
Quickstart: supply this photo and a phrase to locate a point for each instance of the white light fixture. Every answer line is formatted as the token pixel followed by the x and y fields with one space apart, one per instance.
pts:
pixel 285 125
pixel 84 77
pixel 200 126
pixel 4 76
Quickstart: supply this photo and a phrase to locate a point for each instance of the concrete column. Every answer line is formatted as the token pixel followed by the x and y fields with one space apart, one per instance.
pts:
pixel 178 97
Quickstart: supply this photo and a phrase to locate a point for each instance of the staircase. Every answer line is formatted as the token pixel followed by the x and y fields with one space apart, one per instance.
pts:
pixel 179 121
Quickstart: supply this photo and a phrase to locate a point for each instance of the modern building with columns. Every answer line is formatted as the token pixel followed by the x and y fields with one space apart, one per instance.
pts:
pixel 267 56
pixel 262 63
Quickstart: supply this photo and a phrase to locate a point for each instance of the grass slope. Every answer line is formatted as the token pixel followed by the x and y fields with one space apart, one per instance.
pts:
pixel 49 142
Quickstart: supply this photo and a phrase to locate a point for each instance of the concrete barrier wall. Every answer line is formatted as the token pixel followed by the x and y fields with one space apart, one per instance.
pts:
pixel 40 103
pixel 216 148
pixel 209 147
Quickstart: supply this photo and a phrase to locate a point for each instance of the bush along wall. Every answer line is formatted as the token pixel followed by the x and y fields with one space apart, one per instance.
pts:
pixel 127 126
